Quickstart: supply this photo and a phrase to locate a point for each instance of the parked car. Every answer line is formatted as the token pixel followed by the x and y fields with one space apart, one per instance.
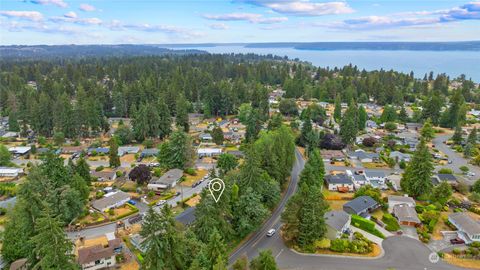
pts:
pixel 471 174
pixel 457 241
pixel 160 203
pixel 132 202
pixel 271 232
pixel 177 194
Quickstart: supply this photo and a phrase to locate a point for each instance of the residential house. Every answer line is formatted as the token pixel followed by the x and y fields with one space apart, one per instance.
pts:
pixel 413 126
pixel 399 156
pixel 149 152
pixel 357 178
pixel 395 180
pixel 468 228
pixel 339 182
pixel 125 150
pixel 72 149
pixel 394 200
pixel 441 177
pixel 103 176
pixel 98 150
pixel 209 152
pixel 406 215
pixel 411 142
pixel 99 256
pixel 8 134
pixel 20 150
pixel 332 155
pixel 187 217
pixel 195 118
pixel 10 172
pixel 371 124
pixel 361 206
pixel 111 200
pixel 376 178
pixel 205 137
pixel 363 156
pixel 338 223
pixel 236 153
pixel 166 181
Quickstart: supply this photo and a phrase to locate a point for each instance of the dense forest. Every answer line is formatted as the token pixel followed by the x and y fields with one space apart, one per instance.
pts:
pixel 75 96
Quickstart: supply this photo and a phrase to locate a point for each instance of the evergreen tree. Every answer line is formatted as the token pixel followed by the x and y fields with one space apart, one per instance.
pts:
pixel 264 261
pixel 217 135
pixel 457 137
pixel 226 162
pixel 389 114
pixel 181 110
pixel 456 113
pixel 416 180
pixel 349 124
pixel 472 137
pixel 163 244
pixel 337 113
pixel 13 122
pixel 468 150
pixel 427 132
pixel 216 250
pixel 5 156
pixel 83 169
pixel 114 159
pixel 177 152
pixel 362 118
pixel 52 249
pixel 402 115
pixel 249 213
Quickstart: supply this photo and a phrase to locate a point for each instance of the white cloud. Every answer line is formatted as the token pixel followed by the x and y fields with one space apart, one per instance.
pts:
pixel 58 3
pixel 76 20
pixel 470 11
pixel 27 15
pixel 249 17
pixel 218 26
pixel 303 7
pixel 70 14
pixel 87 7
pixel 117 25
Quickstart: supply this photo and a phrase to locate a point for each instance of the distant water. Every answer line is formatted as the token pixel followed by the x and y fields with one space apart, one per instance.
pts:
pixel 453 63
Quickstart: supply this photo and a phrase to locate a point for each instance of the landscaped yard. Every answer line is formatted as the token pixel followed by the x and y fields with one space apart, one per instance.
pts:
pixel 466 263
pixel 441 226
pixel 122 212
pixel 374 165
pixel 91 218
pixel 193 201
pixel 190 179
pixel 375 252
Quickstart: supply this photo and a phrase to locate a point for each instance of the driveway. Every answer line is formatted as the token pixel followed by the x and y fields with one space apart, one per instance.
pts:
pixel 409 231
pixel 443 244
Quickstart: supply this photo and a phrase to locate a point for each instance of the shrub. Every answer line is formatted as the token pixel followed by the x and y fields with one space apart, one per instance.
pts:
pixel 190 171
pixel 445 171
pixel 456 251
pixel 99 168
pixel 390 222
pixel 118 173
pixel 99 195
pixel 322 244
pixel 339 245
pixel 366 225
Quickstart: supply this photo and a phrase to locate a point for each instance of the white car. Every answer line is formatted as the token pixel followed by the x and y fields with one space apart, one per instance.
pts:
pixel 161 202
pixel 471 174
pixel 271 232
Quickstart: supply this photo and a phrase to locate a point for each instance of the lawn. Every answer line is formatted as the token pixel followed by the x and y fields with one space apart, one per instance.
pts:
pixel 122 212
pixel 441 226
pixel 466 263
pixel 190 179
pixel 375 252
pixel 130 158
pixel 336 204
pixel 375 165
pixel 193 201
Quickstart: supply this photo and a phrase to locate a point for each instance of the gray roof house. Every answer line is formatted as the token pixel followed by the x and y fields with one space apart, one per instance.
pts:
pixel 111 200
pixel 376 178
pixel 166 181
pixel 406 215
pixel 338 223
pixel 399 156
pixel 149 152
pixel 364 156
pixel 396 200
pixel 123 150
pixel 361 206
pixel 340 182
pixel 449 178
pixel 468 228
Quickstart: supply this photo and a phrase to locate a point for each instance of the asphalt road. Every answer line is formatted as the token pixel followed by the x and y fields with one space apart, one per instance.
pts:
pixel 456 158
pixel 259 239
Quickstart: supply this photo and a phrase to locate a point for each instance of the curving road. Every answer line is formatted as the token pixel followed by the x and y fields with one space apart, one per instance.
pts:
pixel 401 253
pixel 258 239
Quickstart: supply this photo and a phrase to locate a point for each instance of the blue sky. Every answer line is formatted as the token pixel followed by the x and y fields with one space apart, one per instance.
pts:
pixel 224 21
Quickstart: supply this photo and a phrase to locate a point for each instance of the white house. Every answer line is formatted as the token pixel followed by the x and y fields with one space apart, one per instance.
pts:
pixel 339 182
pixel 10 171
pixel 468 228
pixel 375 178
pixel 209 152
pixel 394 200
pixel 19 150
pixel 111 200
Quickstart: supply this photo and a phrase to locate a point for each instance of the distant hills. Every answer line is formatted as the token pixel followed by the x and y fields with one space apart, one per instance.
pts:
pixel 81 51
pixel 383 46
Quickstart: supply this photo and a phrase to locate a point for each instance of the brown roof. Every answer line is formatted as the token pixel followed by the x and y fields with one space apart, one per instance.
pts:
pixel 97 252
pixel 332 154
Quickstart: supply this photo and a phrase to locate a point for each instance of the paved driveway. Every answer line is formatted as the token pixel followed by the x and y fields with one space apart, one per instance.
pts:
pixel 409 231
pixel 443 244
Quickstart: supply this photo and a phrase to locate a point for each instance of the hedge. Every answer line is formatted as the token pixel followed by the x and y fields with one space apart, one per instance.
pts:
pixel 390 222
pixel 366 225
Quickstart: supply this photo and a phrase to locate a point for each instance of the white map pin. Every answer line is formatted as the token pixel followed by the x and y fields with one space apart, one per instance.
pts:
pixel 216 187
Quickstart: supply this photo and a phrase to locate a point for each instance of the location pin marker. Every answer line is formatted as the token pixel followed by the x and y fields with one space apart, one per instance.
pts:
pixel 216 187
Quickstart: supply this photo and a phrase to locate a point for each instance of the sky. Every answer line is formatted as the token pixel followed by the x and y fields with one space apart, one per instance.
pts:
pixel 31 22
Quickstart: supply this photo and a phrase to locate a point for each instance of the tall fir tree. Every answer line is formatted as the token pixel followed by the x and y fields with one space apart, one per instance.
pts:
pixel 416 180
pixel 114 159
